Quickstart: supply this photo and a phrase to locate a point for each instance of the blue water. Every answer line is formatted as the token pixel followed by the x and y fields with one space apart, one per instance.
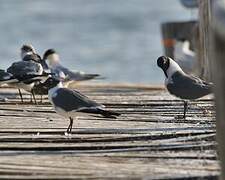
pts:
pixel 119 39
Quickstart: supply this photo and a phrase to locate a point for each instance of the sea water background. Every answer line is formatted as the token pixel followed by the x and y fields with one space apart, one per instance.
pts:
pixel 119 39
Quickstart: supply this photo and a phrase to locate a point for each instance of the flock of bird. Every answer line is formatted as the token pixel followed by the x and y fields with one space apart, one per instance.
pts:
pixel 46 76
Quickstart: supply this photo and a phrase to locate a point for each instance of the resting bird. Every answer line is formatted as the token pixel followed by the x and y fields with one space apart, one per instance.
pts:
pixel 62 72
pixel 182 85
pixel 69 103
pixel 28 71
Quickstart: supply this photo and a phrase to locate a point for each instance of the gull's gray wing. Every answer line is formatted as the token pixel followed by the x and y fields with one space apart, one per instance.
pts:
pixel 188 87
pixel 70 100
pixel 6 77
pixel 70 75
pixel 23 68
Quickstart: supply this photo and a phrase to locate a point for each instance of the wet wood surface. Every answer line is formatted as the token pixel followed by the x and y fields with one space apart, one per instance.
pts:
pixel 145 142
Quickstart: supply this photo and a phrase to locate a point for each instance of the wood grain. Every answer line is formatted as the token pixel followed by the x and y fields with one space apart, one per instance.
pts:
pixel 145 142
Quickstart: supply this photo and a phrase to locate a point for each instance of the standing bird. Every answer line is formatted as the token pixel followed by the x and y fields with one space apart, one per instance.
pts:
pixel 182 85
pixel 65 75
pixel 28 71
pixel 69 103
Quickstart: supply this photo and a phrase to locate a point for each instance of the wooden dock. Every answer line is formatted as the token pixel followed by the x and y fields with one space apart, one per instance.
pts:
pixel 146 142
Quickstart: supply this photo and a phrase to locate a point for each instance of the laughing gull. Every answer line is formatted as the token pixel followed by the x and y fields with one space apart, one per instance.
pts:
pixel 70 103
pixel 28 71
pixel 182 85
pixel 62 72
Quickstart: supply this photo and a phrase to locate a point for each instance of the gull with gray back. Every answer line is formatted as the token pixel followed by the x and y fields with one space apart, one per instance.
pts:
pixel 71 103
pixel 28 72
pixel 182 85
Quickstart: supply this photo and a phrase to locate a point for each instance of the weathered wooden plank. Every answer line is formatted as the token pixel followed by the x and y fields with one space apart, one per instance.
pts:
pixel 145 142
pixel 107 167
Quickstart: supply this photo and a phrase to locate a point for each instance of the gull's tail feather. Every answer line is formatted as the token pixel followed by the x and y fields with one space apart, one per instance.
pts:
pixel 81 76
pixel 108 114
pixel 89 76
pixel 210 86
pixel 103 112
pixel 207 87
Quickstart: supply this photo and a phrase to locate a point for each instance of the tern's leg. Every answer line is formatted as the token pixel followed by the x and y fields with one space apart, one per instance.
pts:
pixel 69 129
pixel 21 97
pixel 32 92
pixel 31 99
pixel 185 108
pixel 41 98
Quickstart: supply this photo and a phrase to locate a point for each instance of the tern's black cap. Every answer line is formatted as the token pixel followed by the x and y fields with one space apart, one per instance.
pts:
pixel 48 53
